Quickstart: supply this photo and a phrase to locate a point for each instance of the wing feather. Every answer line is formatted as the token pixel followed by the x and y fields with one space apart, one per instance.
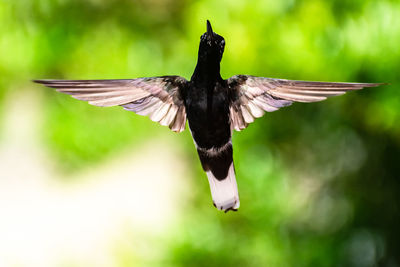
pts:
pixel 169 117
pixel 248 118
pixel 156 97
pixel 252 96
pixel 178 124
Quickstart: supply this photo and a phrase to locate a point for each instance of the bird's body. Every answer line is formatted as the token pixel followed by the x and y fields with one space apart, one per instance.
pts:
pixel 207 109
pixel 207 103
pixel 214 107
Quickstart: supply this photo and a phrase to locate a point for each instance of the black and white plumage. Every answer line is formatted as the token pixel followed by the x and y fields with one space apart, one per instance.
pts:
pixel 214 107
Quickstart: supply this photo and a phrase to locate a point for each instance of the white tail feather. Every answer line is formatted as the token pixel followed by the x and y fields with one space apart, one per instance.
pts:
pixel 224 193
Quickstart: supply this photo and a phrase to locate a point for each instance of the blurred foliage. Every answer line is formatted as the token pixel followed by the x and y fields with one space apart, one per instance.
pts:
pixel 319 183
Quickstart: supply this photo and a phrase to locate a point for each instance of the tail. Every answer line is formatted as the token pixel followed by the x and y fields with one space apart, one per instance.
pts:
pixel 218 165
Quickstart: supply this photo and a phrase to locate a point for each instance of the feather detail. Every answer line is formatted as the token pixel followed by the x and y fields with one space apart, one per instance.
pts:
pixel 157 97
pixel 224 192
pixel 252 96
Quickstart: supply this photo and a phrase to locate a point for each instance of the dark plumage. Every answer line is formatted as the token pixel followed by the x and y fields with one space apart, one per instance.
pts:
pixel 213 106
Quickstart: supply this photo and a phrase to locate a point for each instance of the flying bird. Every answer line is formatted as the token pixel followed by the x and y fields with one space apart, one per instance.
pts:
pixel 213 107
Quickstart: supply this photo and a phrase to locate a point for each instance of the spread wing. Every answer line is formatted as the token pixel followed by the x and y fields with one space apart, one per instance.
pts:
pixel 253 96
pixel 156 97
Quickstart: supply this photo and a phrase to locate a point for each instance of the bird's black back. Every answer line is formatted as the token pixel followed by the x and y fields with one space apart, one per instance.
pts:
pixel 206 97
pixel 207 109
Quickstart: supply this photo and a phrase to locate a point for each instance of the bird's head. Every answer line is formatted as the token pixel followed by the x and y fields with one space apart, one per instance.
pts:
pixel 211 45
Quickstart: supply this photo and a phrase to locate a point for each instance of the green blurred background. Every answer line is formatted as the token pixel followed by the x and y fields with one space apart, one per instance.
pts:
pixel 319 183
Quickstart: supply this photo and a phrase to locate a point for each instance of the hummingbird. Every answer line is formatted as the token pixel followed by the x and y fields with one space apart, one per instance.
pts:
pixel 213 107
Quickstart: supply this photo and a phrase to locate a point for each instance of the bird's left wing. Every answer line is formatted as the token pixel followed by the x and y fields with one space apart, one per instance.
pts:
pixel 156 97
pixel 252 96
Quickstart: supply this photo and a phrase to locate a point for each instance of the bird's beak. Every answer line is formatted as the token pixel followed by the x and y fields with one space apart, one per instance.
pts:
pixel 209 29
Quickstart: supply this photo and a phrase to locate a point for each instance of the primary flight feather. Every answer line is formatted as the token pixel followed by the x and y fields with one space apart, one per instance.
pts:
pixel 212 106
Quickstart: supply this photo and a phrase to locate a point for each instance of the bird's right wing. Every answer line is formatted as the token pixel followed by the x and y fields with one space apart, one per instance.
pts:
pixel 253 96
pixel 156 97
